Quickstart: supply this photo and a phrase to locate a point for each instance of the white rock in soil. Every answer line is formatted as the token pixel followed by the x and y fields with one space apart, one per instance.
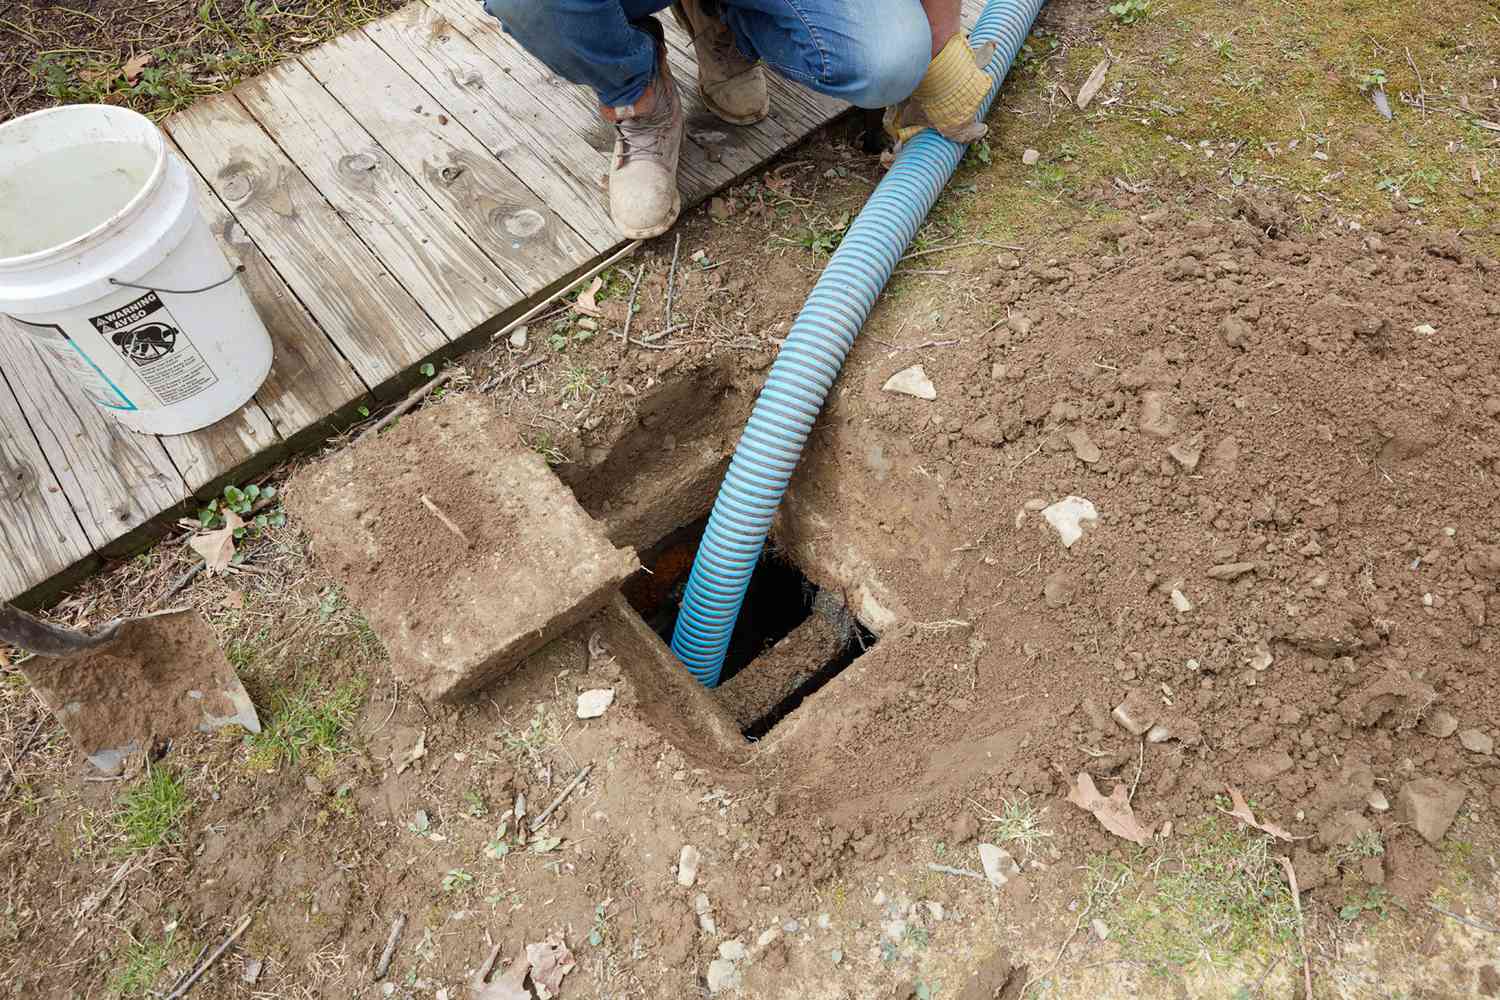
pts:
pixel 999 866
pixel 518 337
pixel 1100 929
pixel 894 930
pixel 825 921
pixel 722 975
pixel 1377 801
pixel 592 704
pixel 687 865
pixel 1478 742
pixel 1031 157
pixel 1137 713
pixel 1159 733
pixel 1260 657
pixel 911 381
pixel 705 915
pixel 1068 516
pixel 1180 601
pixel 1439 724
pixel 767 936
pixel 836 956
pixel 935 910
pixel 733 951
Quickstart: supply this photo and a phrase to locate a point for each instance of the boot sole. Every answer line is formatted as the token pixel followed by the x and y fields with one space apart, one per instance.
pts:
pixel 730 119
pixel 657 230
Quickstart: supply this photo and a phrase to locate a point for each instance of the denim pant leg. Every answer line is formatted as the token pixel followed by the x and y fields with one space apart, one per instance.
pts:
pixel 588 42
pixel 871 53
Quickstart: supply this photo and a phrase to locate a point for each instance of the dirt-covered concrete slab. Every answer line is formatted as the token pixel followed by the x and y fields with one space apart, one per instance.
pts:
pixel 461 547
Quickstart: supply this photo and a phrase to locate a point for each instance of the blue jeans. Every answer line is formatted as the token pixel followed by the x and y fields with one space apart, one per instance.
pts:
pixel 871 53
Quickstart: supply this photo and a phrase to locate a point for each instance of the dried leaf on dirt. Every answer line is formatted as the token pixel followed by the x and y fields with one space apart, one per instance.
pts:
pixel 510 985
pixel 586 303
pixel 416 753
pixel 1241 811
pixel 136 65
pixel 1114 812
pixel 1093 84
pixel 217 546
pixel 550 962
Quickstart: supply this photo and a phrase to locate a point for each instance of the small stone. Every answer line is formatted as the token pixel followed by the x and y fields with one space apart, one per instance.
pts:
pixel 1424 329
pixel 1478 742
pixel 1231 571
pixel 388 989
pixel 1430 806
pixel 518 337
pixel 1058 589
pixel 998 371
pixel 733 950
pixel 1159 733
pixel 963 829
pixel 592 704
pixel 1019 324
pixel 722 975
pixel 791 926
pixel 766 937
pixel 935 910
pixel 998 864
pixel 1100 929
pixel 313 785
pixel 1009 261
pixel 1261 658
pixel 1137 713
pixel 911 381
pixel 1031 157
pixel 1439 724
pixel 1180 601
pixel 687 865
pixel 825 921
pixel 1155 421
pixel 1084 448
pixel 1187 453
pixel 251 971
pixel 836 955
pixel 705 915
pixel 1068 517
pixel 1377 801
pixel 894 930
pixel 588 324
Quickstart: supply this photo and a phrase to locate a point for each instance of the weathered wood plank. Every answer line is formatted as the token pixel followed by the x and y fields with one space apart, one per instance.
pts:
pixel 517 230
pixel 39 535
pixel 512 124
pixel 309 381
pixel 373 321
pixel 115 480
pixel 208 455
pixel 442 268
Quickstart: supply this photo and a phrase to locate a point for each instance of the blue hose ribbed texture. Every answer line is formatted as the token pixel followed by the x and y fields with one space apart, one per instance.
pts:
pixel 810 360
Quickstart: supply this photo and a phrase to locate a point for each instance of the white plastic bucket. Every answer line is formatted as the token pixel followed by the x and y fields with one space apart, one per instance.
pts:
pixel 107 266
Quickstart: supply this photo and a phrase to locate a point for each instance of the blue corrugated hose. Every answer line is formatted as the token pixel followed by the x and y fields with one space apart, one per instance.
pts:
pixel 810 360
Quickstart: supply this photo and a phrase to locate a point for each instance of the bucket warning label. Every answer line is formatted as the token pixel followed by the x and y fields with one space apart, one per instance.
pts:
pixel 160 353
pixel 71 358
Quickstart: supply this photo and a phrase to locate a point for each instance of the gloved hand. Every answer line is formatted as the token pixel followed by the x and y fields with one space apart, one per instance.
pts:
pixel 949 96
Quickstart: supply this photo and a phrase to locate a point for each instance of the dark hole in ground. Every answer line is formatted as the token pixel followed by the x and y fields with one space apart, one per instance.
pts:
pixel 780 598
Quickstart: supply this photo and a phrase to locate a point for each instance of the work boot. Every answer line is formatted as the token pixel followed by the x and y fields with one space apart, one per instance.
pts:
pixel 733 87
pixel 643 196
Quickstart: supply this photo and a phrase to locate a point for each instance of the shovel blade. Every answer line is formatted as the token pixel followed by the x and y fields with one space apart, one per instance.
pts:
pixel 160 677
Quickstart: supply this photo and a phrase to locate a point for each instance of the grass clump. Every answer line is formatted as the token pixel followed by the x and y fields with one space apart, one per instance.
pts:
pixel 148 814
pixel 1019 822
pixel 1218 896
pixel 142 965
pixel 306 721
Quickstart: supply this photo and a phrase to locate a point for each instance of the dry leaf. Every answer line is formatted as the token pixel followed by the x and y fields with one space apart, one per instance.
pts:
pixel 585 302
pixel 550 961
pixel 217 546
pixel 133 69
pixel 1241 811
pixel 509 985
pixel 1093 84
pixel 1114 812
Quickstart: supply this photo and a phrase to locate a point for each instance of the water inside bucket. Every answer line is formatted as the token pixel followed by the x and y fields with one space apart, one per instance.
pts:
pixel 60 195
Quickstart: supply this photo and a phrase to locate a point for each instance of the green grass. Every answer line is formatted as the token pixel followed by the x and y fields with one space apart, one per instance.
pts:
pixel 306 721
pixel 148 815
pixel 142 965
pixel 1216 896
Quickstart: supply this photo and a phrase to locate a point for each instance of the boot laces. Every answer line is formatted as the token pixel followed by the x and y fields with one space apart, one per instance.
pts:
pixel 644 136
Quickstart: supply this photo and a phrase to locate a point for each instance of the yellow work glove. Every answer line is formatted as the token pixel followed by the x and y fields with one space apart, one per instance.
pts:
pixel 949 96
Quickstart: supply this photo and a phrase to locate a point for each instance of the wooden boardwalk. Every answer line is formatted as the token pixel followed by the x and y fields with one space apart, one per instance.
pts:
pixel 394 196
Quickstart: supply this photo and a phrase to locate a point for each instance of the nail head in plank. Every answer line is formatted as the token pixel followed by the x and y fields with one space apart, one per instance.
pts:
pixel 115 479
pixel 512 123
pixel 362 308
pixel 519 231
pixel 39 535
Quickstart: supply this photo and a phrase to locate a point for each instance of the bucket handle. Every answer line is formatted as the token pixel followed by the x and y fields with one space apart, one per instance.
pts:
pixel 181 291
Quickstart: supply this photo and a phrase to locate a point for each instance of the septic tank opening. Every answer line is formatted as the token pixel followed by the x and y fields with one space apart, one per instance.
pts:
pixel 790 640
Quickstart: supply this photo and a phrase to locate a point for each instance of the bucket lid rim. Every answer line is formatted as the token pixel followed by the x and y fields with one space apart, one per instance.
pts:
pixel 152 182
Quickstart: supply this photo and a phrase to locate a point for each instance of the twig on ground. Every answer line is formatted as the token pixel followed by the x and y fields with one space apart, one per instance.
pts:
pixel 407 404
pixel 1077 923
pixel 1291 877
pixel 589 275
pixel 447 521
pixel 672 277
pixel 1470 921
pixel 1139 767
pixel 1421 87
pixel 950 870
pixel 187 984
pixel 383 966
pixel 182 581
pixel 961 246
pixel 635 286
pixel 546 813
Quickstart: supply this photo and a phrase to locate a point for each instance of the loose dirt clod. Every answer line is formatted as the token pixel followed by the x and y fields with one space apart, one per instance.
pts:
pixel 1430 806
